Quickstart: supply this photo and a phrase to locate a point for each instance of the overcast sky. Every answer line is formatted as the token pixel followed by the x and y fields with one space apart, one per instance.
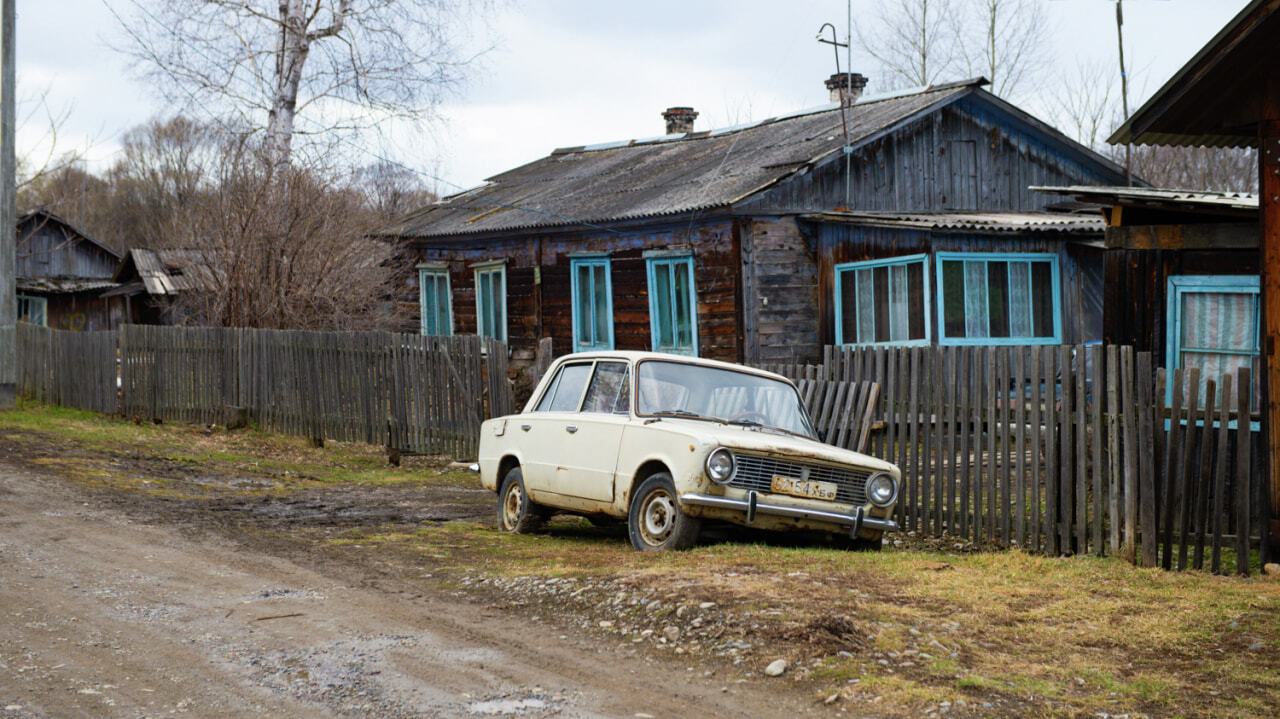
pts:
pixel 573 72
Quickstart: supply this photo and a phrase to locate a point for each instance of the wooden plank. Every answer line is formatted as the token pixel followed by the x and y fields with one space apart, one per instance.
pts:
pixel 1063 522
pixel 1036 379
pixel 913 437
pixel 1019 398
pixel 1082 451
pixel 1173 455
pixel 990 484
pixel 1150 425
pixel 928 389
pixel 1199 499
pixel 1184 491
pixel 949 495
pixel 1099 467
pixel 936 475
pixel 1129 433
pixel 1218 515
pixel 1244 475
pixel 964 369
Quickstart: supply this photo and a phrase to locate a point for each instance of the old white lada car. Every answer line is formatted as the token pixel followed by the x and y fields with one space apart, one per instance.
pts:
pixel 667 441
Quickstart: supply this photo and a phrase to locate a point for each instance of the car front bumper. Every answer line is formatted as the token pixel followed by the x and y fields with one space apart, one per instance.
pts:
pixel 751 506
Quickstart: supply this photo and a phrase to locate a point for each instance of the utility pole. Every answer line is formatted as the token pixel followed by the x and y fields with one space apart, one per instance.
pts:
pixel 1124 91
pixel 8 212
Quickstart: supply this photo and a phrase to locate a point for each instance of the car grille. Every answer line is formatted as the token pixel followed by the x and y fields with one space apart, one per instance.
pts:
pixel 757 472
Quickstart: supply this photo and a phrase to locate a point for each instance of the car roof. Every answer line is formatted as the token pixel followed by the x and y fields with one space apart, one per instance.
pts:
pixel 634 356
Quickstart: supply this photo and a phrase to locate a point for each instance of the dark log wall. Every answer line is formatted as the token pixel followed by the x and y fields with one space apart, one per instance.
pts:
pixel 838 244
pixel 1136 284
pixel 539 293
pixel 781 291
pixel 966 156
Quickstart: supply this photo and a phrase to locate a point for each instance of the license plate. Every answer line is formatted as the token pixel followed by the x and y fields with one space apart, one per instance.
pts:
pixel 810 488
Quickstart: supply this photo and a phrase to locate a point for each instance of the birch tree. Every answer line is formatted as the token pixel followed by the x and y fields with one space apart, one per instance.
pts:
pixel 265 64
pixel 914 40
pixel 1006 41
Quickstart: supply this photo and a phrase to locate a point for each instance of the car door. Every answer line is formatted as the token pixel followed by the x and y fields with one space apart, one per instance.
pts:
pixel 543 435
pixel 586 466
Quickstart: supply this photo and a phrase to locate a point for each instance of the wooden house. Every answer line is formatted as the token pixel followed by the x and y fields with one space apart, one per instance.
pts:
pixel 150 281
pixel 62 275
pixel 727 243
pixel 1227 95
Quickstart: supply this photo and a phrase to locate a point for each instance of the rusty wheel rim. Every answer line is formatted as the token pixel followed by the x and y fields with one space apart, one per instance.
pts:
pixel 658 517
pixel 512 505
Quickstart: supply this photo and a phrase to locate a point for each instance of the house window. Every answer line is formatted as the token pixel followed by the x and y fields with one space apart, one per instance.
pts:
pixel 883 302
pixel 998 299
pixel 672 305
pixel 491 302
pixel 592 296
pixel 435 300
pixel 1213 325
pixel 34 310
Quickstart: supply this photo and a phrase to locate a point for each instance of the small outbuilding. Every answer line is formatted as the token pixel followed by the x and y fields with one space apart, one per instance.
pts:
pixel 63 276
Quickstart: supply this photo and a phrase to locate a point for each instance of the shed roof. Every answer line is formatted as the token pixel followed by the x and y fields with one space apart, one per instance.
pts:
pixel 59 285
pixel 667 175
pixel 979 222
pixel 167 272
pixel 1223 203
pixel 1216 99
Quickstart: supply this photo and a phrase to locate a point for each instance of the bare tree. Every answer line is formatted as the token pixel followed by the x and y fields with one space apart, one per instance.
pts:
pixel 281 248
pixel 1084 102
pixel 352 63
pixel 1194 168
pixel 1015 41
pixel 391 190
pixel 914 40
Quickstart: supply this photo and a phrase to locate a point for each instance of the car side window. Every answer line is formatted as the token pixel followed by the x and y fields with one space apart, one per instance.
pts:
pixel 610 390
pixel 566 389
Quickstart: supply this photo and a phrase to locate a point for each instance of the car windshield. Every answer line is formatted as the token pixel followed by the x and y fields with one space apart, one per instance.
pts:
pixel 688 390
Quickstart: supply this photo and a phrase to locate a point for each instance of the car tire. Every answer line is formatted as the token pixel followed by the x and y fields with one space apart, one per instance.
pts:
pixel 655 521
pixel 517 513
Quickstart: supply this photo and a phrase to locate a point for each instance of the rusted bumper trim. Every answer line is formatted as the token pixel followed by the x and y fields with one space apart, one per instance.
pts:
pixel 857 520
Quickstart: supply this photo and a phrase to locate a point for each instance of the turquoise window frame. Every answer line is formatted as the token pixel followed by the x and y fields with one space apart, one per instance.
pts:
pixel 655 326
pixel 922 260
pixel 1055 290
pixel 576 294
pixel 426 308
pixel 32 301
pixel 1180 285
pixel 482 307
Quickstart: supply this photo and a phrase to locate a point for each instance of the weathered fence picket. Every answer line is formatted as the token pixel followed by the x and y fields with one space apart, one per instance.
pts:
pixel 1067 450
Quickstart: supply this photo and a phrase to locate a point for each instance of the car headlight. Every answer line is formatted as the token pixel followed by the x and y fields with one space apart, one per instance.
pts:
pixel 881 489
pixel 720 465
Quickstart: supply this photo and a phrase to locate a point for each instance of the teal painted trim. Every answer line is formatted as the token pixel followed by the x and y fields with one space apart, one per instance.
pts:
pixel 655 321
pixel 840 269
pixel 425 306
pixel 576 294
pixel 1055 282
pixel 499 322
pixel 1179 285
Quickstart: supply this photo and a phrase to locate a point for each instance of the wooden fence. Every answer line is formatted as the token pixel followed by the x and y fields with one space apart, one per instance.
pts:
pixel 1067 450
pixel 72 369
pixel 408 392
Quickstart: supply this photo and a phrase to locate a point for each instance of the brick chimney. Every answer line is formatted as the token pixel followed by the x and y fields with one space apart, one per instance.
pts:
pixel 679 120
pixel 847 87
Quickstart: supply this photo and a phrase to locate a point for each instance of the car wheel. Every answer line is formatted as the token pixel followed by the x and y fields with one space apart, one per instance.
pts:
pixel 656 521
pixel 516 512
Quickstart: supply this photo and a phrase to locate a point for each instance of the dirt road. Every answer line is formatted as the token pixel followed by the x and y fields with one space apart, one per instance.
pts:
pixel 102 614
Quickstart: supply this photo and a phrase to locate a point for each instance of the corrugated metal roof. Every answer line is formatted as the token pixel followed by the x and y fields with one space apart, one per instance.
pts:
pixel 666 175
pixel 985 222
pixel 61 284
pixel 1159 197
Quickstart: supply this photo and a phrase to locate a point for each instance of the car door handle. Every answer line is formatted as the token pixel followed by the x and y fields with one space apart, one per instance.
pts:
pixel 526 427
pixel 570 428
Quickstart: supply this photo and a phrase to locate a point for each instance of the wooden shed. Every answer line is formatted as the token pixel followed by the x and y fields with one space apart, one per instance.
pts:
pixel 62 275
pixel 149 281
pixel 696 241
